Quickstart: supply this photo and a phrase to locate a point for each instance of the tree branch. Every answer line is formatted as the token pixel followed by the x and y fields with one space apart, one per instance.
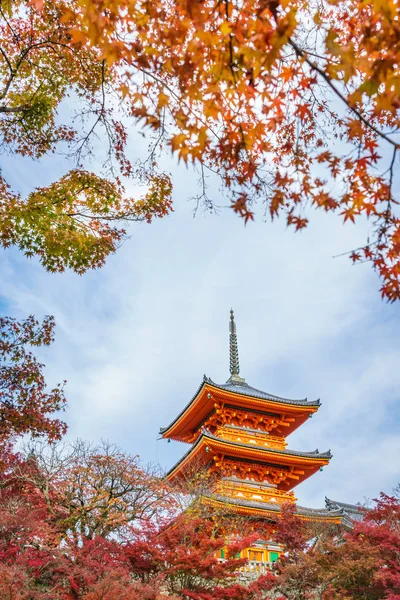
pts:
pixel 303 54
pixel 14 109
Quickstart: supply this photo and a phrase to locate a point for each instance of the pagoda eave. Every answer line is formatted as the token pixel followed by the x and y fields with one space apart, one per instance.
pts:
pixel 211 397
pixel 295 466
pixel 268 512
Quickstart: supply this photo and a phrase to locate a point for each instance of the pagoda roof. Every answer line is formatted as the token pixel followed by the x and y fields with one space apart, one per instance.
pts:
pixel 241 387
pixel 352 512
pixel 312 454
pixel 283 458
pixel 330 504
pixel 237 393
pixel 269 509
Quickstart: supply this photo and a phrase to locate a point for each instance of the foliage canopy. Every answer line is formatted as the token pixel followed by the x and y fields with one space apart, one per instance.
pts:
pixel 292 103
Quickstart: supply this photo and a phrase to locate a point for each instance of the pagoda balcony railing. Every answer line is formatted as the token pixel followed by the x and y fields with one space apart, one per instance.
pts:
pixel 255 568
pixel 253 437
pixel 247 492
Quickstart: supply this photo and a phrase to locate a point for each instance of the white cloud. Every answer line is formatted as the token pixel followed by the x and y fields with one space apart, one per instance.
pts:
pixel 134 339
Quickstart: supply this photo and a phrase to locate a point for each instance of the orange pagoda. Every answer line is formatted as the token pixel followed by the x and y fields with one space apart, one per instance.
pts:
pixel 238 436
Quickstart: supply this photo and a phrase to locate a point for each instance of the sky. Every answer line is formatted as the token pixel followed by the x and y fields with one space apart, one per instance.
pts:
pixel 134 339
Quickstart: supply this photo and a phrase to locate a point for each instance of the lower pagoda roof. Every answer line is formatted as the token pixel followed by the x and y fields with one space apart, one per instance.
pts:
pixel 334 504
pixel 252 454
pixel 353 512
pixel 268 510
pixel 238 394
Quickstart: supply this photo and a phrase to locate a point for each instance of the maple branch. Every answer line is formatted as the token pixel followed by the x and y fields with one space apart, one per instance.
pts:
pixel 348 252
pixel 14 70
pixel 14 109
pixel 303 54
pixel 177 98
pixel 100 115
pixel 388 211
pixel 15 36
pixel 6 59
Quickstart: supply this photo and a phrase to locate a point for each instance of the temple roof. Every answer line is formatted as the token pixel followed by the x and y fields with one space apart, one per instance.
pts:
pixel 279 458
pixel 352 512
pixel 207 435
pixel 241 387
pixel 236 393
pixel 267 507
pixel 312 454
pixel 240 394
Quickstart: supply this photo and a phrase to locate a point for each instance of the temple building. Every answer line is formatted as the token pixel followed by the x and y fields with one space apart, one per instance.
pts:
pixel 237 436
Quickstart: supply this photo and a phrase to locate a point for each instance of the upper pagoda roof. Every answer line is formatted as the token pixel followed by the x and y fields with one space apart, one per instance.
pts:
pixel 243 388
pixel 237 393
pixel 241 395
pixel 267 510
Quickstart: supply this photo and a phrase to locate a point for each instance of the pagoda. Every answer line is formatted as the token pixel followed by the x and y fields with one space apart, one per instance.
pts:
pixel 237 435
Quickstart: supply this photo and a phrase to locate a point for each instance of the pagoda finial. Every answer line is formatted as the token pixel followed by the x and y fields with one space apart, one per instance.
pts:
pixel 233 352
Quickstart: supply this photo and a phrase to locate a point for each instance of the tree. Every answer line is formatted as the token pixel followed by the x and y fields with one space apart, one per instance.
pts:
pixel 28 555
pixel 290 102
pixel 380 529
pixel 158 558
pixel 152 554
pixel 183 555
pixel 332 563
pixel 77 221
pixel 26 406
pixel 94 491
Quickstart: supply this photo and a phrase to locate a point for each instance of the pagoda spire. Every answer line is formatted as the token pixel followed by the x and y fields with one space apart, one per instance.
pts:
pixel 234 367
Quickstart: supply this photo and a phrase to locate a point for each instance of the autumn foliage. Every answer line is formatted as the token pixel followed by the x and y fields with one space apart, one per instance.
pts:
pixel 141 555
pixel 291 103
pixel 89 522
pixel 175 556
pixel 77 221
pixel 26 405
pixel 332 563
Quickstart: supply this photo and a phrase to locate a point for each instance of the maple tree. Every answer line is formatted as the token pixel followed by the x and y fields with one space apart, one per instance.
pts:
pixel 150 554
pixel 77 221
pixel 293 103
pixel 94 491
pixel 155 552
pixel 335 563
pixel 183 554
pixel 26 405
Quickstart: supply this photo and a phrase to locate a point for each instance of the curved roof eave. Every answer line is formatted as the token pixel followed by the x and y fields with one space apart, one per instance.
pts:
pixel 242 389
pixel 268 506
pixel 314 454
pixel 207 435
pixel 245 389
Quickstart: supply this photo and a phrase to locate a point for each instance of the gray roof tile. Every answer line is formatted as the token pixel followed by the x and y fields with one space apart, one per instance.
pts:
pixel 301 510
pixel 246 390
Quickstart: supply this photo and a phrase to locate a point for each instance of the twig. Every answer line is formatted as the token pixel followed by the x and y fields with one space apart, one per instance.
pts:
pixel 302 53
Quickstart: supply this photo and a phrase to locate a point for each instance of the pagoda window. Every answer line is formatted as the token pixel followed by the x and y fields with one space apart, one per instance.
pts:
pixel 222 553
pixel 273 556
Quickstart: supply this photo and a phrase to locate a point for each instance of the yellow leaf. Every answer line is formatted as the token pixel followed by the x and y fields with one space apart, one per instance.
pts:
pixel 163 100
pixel 225 28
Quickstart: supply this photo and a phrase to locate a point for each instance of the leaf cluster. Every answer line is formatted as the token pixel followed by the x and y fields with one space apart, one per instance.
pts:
pixel 26 405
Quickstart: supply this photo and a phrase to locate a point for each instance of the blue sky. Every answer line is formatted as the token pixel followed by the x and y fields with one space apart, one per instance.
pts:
pixel 134 338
